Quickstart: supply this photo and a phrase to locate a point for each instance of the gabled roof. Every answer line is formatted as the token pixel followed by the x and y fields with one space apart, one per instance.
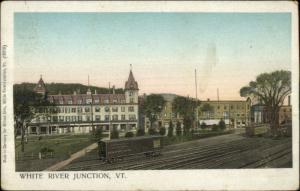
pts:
pixel 131 84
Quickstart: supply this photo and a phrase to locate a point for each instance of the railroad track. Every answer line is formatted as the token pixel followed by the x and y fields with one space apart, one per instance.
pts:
pixel 77 166
pixel 233 154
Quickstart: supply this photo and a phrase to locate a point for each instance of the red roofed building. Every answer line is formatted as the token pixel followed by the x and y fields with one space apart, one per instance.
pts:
pixel 81 113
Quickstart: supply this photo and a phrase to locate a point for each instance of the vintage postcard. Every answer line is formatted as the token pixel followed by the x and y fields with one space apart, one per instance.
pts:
pixel 146 95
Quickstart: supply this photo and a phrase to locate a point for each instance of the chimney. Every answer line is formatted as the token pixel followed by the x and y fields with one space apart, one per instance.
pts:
pixel 113 89
pixel 289 100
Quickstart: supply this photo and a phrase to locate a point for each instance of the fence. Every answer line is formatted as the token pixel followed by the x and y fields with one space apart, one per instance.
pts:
pixel 34 156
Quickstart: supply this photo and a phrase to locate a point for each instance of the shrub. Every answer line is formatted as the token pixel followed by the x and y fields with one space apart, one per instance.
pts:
pixel 140 132
pixel 203 125
pixel 129 134
pixel 46 150
pixel 114 134
pixel 178 129
pixel 222 124
pixel 152 131
pixel 215 127
pixel 162 131
pixel 170 130
pixel 98 134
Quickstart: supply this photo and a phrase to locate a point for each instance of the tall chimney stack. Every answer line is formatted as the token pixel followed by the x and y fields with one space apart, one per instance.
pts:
pixel 113 88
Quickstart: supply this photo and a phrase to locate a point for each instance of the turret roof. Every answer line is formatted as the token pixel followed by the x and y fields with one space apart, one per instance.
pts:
pixel 131 84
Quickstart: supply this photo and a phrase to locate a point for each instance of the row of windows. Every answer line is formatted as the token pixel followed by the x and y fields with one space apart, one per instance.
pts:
pixel 88 101
pixel 225 115
pixel 85 118
pixel 232 107
pixel 85 109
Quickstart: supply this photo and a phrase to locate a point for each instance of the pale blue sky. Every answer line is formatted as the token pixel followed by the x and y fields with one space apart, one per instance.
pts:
pixel 164 49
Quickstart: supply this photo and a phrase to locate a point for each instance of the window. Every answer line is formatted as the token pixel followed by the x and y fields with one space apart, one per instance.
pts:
pixel 115 101
pixel 79 101
pixel 67 118
pixel 88 118
pixel 79 118
pixel 132 117
pixel 97 109
pixel 61 118
pixel 88 101
pixel 231 107
pixel 97 117
pixel 131 100
pixel 123 117
pixel 218 107
pixel 131 109
pixel 123 109
pixel 70 101
pixel 115 109
pixel 37 119
pixel 225 107
pixel 79 109
pixel 115 117
pixel 107 109
pixel 61 101
pixel 54 118
pixel 130 93
pixel 73 109
pixel 87 109
pixel 106 117
pixel 96 100
pixel 106 101
pixel 67 109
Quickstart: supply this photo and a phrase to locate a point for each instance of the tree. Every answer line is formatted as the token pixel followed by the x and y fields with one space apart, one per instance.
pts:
pixel 98 134
pixel 208 109
pixel 153 105
pixel 170 130
pixel 114 134
pixel 140 132
pixel 129 134
pixel 187 108
pixel 162 131
pixel 270 89
pixel 178 129
pixel 203 125
pixel 29 105
pixel 222 124
pixel 152 131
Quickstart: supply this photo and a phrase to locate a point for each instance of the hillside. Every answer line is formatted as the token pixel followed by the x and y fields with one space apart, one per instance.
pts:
pixel 55 88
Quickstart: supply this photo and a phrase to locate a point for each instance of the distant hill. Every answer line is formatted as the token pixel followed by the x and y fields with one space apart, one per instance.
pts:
pixel 66 88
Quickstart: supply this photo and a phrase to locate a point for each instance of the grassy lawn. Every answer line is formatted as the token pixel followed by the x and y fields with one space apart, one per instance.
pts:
pixel 62 145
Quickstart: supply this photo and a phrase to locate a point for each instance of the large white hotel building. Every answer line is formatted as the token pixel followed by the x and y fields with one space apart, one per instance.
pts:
pixel 80 113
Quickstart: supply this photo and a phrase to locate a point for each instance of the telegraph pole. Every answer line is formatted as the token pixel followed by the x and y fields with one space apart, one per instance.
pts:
pixel 196 99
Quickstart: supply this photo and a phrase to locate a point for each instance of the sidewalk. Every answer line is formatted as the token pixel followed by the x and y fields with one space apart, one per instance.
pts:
pixel 74 156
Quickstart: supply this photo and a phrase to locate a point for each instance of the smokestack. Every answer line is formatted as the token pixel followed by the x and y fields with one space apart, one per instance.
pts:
pixel 113 88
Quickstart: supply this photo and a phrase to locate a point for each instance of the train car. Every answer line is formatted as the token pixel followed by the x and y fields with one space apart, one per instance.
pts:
pixel 115 149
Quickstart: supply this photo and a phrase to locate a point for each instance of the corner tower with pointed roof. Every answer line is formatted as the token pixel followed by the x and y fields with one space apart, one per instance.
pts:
pixel 40 87
pixel 131 89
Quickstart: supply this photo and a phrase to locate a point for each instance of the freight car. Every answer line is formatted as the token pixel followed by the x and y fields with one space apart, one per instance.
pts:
pixel 116 149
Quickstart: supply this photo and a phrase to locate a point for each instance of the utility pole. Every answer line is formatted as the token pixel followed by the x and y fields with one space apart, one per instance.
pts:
pixel 196 111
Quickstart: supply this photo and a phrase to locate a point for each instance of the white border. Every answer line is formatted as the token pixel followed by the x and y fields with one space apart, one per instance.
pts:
pixel 254 179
